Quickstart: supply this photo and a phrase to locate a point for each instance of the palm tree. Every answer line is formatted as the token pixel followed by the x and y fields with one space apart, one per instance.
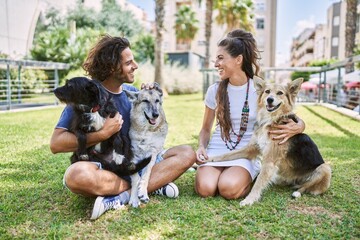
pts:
pixel 186 25
pixel 350 31
pixel 159 55
pixel 227 16
pixel 235 14
pixel 208 25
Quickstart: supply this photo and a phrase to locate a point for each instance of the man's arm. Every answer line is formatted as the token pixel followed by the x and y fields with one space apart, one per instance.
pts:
pixel 64 141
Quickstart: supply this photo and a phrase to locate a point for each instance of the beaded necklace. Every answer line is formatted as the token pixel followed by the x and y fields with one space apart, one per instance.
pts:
pixel 231 145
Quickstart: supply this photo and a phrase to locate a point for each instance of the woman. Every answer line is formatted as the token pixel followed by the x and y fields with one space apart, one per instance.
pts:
pixel 233 102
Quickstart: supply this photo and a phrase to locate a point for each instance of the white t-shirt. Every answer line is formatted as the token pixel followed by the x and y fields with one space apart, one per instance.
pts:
pixel 237 96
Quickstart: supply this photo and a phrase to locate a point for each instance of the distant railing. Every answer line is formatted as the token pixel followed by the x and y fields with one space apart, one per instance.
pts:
pixel 19 92
pixel 321 92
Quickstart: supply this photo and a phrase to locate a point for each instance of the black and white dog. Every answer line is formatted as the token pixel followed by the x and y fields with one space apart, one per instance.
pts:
pixel 92 104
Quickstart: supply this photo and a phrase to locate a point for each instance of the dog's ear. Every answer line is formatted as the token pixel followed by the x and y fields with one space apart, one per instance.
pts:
pixel 132 96
pixel 259 83
pixel 158 88
pixel 294 86
pixel 91 86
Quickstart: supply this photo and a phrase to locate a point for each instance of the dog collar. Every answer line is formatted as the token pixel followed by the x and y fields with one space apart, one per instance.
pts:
pixel 95 109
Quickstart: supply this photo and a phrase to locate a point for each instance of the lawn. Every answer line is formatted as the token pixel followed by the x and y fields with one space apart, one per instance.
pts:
pixel 35 205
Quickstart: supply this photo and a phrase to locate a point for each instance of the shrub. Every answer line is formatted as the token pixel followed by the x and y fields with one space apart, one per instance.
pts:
pixel 177 79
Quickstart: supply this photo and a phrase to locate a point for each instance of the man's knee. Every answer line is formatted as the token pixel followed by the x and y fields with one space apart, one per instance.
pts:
pixel 187 155
pixel 77 175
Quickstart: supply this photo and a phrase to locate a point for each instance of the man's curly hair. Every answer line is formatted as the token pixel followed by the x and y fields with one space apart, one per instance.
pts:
pixel 105 57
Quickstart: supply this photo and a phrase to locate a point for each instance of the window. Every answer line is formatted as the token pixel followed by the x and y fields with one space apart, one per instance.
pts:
pixel 259 23
pixel 335 42
pixel 260 6
pixel 336 21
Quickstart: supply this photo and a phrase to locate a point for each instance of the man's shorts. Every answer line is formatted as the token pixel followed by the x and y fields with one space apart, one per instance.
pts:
pixel 159 158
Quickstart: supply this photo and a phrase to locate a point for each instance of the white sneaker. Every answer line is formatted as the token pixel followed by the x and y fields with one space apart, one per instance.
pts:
pixel 102 204
pixel 169 190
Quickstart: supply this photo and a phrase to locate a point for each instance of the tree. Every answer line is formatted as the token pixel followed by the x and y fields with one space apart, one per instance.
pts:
pixel 55 45
pixel 143 48
pixel 116 21
pixel 186 25
pixel 350 31
pixel 208 25
pixel 84 17
pixel 159 55
pixel 241 18
pixel 357 52
pixel 235 14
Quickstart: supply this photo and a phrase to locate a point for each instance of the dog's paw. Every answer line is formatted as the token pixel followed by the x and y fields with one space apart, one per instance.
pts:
pixel 143 195
pixel 134 202
pixel 246 202
pixel 296 194
pixel 84 157
pixel 144 198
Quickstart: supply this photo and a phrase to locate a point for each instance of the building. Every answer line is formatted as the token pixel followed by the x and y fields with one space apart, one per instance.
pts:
pixel 335 38
pixel 264 25
pixel 357 37
pixel 18 19
pixel 302 48
pixel 265 30
pixel 325 41
pixel 320 41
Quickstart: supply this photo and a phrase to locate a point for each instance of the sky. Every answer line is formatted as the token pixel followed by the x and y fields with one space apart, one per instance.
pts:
pixel 293 16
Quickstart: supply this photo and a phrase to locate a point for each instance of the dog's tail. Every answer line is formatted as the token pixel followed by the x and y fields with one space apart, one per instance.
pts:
pixel 126 168
pixel 133 168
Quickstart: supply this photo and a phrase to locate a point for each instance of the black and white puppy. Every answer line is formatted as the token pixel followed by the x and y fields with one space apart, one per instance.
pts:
pixel 92 104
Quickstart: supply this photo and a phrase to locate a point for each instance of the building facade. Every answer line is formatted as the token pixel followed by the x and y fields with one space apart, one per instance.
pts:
pixel 302 49
pixel 264 26
pixel 18 19
pixel 325 41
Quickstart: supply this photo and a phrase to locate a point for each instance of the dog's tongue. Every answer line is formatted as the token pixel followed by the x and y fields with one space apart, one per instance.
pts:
pixel 152 121
pixel 269 106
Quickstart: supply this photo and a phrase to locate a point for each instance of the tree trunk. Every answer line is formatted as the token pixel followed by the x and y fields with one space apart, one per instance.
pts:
pixel 208 24
pixel 159 55
pixel 350 32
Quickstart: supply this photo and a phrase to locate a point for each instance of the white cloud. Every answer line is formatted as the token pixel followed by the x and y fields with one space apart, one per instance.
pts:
pixel 283 54
pixel 303 24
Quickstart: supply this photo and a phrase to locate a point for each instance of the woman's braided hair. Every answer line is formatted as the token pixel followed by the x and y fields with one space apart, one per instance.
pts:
pixel 237 42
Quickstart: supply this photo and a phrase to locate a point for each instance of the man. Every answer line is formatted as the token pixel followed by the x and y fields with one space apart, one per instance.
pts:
pixel 112 62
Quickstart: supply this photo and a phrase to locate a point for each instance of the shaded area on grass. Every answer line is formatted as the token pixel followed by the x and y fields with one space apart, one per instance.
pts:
pixel 35 205
pixel 331 122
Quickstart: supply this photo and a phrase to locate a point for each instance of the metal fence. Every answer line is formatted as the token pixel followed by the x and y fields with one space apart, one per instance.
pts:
pixel 338 92
pixel 19 92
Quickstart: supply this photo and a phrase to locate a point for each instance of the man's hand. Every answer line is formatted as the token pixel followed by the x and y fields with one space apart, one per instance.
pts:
pixel 111 126
pixel 285 131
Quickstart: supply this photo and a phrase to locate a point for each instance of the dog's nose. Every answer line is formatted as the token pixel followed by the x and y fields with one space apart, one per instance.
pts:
pixel 155 115
pixel 270 100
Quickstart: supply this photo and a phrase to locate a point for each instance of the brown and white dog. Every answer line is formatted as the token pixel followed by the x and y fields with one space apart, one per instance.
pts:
pixel 297 162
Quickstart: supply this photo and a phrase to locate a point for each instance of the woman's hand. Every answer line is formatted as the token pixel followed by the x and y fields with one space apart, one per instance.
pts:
pixel 285 131
pixel 201 155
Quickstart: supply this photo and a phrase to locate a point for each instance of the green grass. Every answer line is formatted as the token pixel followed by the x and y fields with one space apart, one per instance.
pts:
pixel 34 204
